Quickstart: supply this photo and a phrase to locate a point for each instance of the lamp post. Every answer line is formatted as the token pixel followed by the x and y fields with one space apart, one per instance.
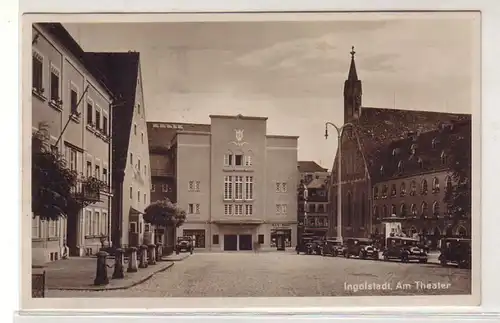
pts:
pixel 339 174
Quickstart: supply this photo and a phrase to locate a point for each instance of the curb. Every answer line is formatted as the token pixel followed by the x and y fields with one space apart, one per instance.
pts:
pixel 102 289
pixel 175 260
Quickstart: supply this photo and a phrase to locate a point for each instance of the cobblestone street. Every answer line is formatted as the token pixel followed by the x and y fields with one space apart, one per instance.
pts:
pixel 287 274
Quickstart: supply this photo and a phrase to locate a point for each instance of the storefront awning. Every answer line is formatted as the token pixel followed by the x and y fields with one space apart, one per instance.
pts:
pixel 238 221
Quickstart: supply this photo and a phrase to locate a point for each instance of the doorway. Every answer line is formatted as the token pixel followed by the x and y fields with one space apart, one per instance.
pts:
pixel 230 242
pixel 245 241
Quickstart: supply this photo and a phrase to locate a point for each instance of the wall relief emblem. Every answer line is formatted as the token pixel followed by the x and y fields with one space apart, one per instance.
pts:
pixel 239 138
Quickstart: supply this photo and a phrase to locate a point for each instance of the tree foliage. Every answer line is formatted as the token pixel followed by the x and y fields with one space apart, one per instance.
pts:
pixel 164 213
pixel 459 153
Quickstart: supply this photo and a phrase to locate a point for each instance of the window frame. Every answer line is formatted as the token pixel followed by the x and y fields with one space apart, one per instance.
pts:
pixel 36 54
pixel 54 70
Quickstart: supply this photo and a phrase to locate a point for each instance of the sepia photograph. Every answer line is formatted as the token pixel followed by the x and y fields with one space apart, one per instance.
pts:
pixel 308 156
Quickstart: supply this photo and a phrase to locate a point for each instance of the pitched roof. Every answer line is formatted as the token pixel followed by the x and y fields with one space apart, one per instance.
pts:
pixel 121 71
pixel 310 167
pixel 161 134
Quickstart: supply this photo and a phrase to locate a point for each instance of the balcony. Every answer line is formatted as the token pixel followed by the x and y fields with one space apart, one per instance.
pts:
pixel 90 189
pixel 161 172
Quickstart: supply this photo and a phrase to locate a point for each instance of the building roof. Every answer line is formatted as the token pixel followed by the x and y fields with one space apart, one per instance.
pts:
pixel 161 134
pixel 316 183
pixel 60 33
pixel 310 167
pixel 121 72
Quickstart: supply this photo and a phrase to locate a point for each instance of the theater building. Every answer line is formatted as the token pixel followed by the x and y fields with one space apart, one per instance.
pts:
pixel 237 184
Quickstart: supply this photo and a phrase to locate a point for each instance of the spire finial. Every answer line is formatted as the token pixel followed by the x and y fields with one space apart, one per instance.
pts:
pixel 352 52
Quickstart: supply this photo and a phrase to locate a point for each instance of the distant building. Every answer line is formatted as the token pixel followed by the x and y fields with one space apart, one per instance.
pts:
pixel 66 89
pixel 131 166
pixel 236 183
pixel 312 215
pixel 384 148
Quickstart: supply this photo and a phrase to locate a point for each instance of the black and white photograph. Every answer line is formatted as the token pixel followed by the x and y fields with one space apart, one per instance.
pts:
pixel 252 157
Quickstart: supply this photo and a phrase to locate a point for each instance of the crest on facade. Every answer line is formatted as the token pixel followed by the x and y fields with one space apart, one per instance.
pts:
pixel 239 137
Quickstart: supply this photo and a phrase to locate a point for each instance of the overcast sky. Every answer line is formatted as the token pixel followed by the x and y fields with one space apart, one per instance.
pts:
pixel 293 72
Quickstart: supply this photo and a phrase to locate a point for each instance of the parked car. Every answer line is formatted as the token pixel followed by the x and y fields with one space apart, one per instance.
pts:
pixel 317 246
pixel 404 249
pixel 457 251
pixel 332 247
pixel 360 247
pixel 184 244
pixel 305 246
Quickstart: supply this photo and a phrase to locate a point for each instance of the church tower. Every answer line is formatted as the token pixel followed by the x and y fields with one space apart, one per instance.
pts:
pixel 352 93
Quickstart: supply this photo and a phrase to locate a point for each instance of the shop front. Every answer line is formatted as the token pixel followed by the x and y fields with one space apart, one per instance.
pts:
pixel 235 235
pixel 281 232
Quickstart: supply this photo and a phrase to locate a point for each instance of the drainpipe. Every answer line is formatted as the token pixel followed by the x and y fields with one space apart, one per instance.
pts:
pixel 110 168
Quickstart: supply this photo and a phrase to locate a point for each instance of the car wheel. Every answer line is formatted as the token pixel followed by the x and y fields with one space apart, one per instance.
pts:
pixel 334 254
pixel 462 264
pixel 361 255
pixel 422 261
pixel 298 252
pixel 376 256
pixel 191 252
pixel 404 258
pixel 443 262
pixel 177 252
pixel 386 257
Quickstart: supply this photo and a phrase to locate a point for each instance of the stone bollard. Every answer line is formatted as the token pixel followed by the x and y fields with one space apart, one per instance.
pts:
pixel 151 254
pixel 132 260
pixel 143 257
pixel 159 251
pixel 101 275
pixel 118 272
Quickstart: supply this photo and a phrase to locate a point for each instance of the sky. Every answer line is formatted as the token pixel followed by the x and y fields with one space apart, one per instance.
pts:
pixel 293 71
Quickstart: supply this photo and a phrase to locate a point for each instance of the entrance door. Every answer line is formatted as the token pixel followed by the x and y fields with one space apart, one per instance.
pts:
pixel 245 241
pixel 230 242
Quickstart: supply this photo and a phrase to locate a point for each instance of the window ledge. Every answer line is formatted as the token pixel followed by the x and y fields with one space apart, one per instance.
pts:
pixel 53 238
pixel 39 95
pixel 75 118
pixel 38 239
pixel 90 128
pixel 55 105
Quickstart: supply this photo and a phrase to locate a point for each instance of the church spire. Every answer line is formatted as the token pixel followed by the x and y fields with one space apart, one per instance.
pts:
pixel 353 75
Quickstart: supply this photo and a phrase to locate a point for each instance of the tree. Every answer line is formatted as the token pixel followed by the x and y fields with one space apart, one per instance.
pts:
pixel 164 213
pixel 56 190
pixel 458 158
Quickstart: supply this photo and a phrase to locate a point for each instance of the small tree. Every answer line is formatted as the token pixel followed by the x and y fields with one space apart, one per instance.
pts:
pixel 164 213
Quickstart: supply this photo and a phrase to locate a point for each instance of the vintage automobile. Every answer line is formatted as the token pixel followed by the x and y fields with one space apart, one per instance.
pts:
pixel 404 249
pixel 332 247
pixel 184 244
pixel 360 247
pixel 457 251
pixel 317 246
pixel 305 246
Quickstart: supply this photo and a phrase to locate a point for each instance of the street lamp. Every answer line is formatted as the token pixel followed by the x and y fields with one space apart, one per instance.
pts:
pixel 339 173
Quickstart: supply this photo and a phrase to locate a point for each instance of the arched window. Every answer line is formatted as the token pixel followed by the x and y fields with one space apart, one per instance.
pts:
pixel 413 210
pixel 449 183
pixel 435 208
pixel 384 211
pixel 424 209
pixel 375 212
pixel 403 210
pixel 444 158
pixel 413 188
pixel 401 167
pixel 393 210
pixel 423 187
pixel 349 209
pixel 393 190
pixel 403 189
pixel 375 193
pixel 395 152
pixel 363 209
pixel 435 185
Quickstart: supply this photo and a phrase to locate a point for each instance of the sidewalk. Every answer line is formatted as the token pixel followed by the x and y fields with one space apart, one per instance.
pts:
pixel 79 274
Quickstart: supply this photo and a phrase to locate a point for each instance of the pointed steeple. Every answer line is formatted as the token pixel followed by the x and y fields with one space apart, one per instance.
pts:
pixel 353 75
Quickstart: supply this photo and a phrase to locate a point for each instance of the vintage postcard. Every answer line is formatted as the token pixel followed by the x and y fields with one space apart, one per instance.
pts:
pixel 281 160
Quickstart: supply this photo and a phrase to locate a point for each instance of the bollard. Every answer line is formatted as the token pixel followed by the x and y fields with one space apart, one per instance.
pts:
pixel 151 254
pixel 143 257
pixel 101 275
pixel 159 251
pixel 132 260
pixel 118 272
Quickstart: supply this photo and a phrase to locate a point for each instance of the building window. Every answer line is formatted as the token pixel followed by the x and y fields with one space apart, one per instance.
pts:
pixel 449 184
pixel 434 143
pixel 238 187
pixel 131 159
pixel 52 228
pixel 424 209
pixel 249 188
pixel 144 198
pixel 423 187
pixel 435 208
pixel 420 162
pixel 89 169
pixel 238 209
pixel 152 187
pixel 238 160
pixel 138 196
pixel 138 108
pixel 401 166
pixel 104 175
pixel 191 186
pixel 105 223
pixel 393 210
pixel 98 118
pixel 37 70
pixel 138 165
pixel 278 187
pixel 197 186
pixel 228 187
pixel 435 185
pixel 95 224
pixel 375 212
pixel 228 209
pixel 130 192
pixel 393 190
pixel 142 137
pixel 281 209
pixel 88 223
pixel 90 112
pixel 54 85
pixel 35 227
pixel 147 227
pixel 197 209
pixel 164 188
pixel 105 125
pixel 73 100
pixel 444 158
pixel 413 210
pixel 97 173
pixel 228 160
pixel 375 193
pixel 135 129
pixel 384 211
pixel 260 239
pixel 284 187
pixel 248 209
pixel 381 170
pixel 403 210
pixel 402 189
pixel 190 208
pixel 413 188
pixel 248 160
pixel 385 190
pixel 133 227
pixel 73 159
pixel 215 239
